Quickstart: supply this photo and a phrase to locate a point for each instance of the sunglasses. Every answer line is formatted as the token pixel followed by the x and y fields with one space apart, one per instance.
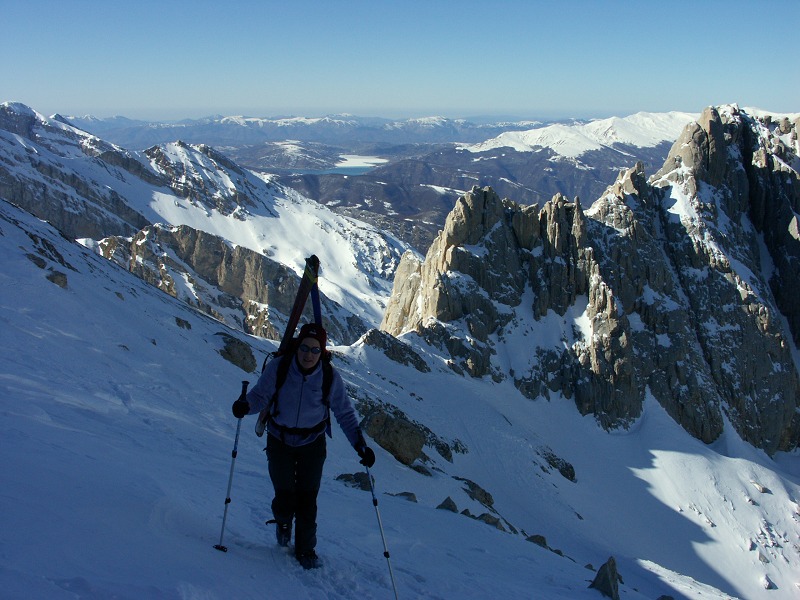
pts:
pixel 306 348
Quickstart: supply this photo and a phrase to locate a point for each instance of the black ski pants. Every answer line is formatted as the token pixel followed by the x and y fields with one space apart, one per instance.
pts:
pixel 296 472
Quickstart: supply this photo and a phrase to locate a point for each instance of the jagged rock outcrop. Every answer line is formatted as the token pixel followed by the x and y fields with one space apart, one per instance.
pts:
pixel 457 280
pixel 770 159
pixel 395 350
pixel 607 580
pixel 494 259
pixel 712 213
pixel 668 361
pixel 660 288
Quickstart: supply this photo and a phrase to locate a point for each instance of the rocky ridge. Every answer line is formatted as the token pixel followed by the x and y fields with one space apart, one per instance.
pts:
pixel 658 288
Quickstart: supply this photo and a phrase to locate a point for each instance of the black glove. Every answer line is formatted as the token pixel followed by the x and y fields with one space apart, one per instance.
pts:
pixel 240 408
pixel 367 455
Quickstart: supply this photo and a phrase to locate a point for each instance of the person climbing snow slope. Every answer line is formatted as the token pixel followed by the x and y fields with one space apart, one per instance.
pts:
pixel 300 389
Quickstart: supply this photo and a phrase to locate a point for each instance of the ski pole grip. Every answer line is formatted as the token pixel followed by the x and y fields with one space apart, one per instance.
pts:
pixel 243 395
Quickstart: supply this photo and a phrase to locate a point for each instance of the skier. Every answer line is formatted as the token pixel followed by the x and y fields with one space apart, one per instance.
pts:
pixel 299 390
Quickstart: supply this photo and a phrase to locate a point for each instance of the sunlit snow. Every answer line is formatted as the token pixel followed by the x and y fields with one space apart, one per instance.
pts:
pixel 116 439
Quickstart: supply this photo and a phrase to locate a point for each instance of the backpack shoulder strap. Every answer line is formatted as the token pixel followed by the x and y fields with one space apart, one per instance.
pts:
pixel 280 378
pixel 327 383
pixel 327 378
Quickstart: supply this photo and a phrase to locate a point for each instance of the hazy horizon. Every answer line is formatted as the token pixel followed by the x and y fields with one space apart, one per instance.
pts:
pixel 168 61
pixel 167 116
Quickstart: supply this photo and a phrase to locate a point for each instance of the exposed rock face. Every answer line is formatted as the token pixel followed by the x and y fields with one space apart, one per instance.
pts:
pixel 234 284
pixel 238 353
pixel 53 191
pixel 494 259
pixel 448 504
pixel 399 435
pixel 607 580
pixel 658 288
pixel 396 350
pixel 401 438
pixel 738 183
pixel 667 360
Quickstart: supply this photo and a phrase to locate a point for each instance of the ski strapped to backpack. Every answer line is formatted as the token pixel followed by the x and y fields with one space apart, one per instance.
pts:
pixel 280 378
pixel 308 285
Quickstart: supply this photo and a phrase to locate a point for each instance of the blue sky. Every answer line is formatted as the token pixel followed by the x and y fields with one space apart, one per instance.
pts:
pixel 174 59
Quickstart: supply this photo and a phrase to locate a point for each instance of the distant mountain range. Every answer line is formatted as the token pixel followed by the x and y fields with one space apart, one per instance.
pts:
pixel 429 162
pixel 569 138
pixel 344 130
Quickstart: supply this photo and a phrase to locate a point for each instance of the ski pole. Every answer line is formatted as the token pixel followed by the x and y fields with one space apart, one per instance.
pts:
pixel 383 536
pixel 230 477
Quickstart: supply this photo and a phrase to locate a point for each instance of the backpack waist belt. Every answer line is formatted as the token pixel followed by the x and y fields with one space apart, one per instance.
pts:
pixel 302 431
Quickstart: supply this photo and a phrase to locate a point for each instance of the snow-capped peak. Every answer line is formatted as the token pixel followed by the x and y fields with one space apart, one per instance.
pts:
pixel 642 129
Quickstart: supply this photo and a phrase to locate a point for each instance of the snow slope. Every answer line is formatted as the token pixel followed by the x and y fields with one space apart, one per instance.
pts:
pixel 116 436
pixel 288 227
pixel 285 226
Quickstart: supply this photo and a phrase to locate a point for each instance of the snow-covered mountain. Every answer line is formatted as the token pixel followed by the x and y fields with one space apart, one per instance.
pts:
pixel 116 402
pixel 279 223
pixel 116 192
pixel 640 130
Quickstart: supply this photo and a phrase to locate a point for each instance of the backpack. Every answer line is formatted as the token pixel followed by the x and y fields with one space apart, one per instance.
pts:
pixel 280 378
